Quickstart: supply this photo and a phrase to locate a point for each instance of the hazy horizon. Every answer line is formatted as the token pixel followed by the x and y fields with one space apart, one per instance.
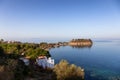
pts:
pixel 53 40
pixel 59 19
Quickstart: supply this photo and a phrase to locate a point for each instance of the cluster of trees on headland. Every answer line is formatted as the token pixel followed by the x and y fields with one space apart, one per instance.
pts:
pixel 81 40
pixel 31 50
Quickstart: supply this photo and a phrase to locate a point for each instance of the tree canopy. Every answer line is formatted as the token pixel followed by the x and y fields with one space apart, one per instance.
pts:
pixel 29 49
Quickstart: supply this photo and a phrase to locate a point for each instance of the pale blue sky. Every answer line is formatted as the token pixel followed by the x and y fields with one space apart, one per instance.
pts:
pixel 59 19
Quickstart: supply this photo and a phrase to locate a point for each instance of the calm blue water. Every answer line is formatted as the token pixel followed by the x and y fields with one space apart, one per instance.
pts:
pixel 101 61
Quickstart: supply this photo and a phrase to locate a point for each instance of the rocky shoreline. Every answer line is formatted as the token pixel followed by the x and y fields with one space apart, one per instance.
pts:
pixel 78 43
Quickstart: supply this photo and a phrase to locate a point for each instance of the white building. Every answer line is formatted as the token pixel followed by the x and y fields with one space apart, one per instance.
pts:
pixel 25 60
pixel 44 62
pixel 50 63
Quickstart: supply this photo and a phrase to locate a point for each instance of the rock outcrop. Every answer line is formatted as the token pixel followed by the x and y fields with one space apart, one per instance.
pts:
pixel 81 42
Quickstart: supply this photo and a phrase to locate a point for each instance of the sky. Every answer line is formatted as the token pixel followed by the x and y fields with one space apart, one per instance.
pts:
pixel 59 19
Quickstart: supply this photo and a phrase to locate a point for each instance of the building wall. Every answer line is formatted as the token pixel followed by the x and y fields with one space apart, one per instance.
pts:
pixel 49 63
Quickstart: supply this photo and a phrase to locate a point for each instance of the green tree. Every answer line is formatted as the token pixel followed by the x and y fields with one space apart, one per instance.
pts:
pixel 2 40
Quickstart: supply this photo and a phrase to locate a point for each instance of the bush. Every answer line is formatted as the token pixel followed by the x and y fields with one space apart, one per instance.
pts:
pixel 1 52
pixel 65 71
pixel 7 69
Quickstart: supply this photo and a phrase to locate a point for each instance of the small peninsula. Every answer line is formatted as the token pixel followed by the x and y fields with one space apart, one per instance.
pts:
pixel 78 43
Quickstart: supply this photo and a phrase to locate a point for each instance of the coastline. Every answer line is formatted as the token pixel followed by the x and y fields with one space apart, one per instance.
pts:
pixel 30 51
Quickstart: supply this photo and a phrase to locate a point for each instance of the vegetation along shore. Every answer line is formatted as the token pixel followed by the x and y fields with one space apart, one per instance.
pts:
pixel 13 68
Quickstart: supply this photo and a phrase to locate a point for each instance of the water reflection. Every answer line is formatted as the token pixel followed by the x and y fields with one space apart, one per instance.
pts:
pixel 79 46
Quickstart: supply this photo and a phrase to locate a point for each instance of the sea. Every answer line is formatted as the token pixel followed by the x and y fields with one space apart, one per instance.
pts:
pixel 101 61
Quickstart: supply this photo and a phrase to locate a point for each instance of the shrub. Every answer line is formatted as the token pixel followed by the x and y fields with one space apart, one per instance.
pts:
pixel 65 71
